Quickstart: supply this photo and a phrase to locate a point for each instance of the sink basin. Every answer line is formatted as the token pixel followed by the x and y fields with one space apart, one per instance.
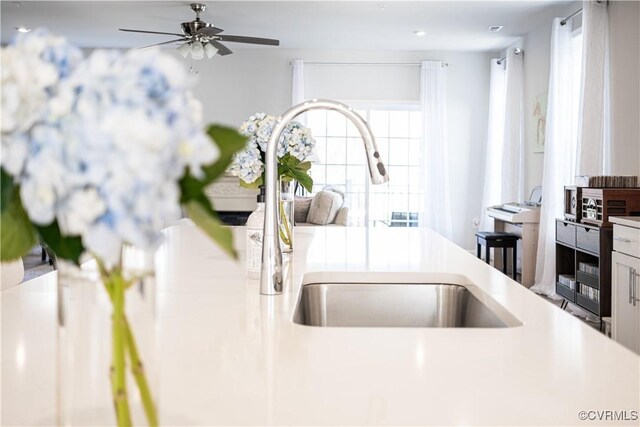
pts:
pixel 410 300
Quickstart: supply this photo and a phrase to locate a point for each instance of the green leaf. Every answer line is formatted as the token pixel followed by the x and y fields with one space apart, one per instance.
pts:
pixel 65 247
pixel 190 188
pixel 17 235
pixel 305 166
pixel 7 189
pixel 252 185
pixel 229 141
pixel 305 180
pixel 204 218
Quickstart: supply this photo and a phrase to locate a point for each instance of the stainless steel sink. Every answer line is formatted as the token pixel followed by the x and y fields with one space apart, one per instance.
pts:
pixel 397 304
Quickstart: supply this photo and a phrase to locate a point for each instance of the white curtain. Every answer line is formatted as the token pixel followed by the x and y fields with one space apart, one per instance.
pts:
pixel 504 164
pixel 512 157
pixel 594 145
pixel 435 159
pixel 297 86
pixel 492 194
pixel 559 153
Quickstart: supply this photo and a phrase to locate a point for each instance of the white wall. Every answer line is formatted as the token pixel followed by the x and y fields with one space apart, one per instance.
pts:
pixel 624 44
pixel 234 87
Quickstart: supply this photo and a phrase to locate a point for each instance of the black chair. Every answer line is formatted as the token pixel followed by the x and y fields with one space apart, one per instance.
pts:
pixel 499 239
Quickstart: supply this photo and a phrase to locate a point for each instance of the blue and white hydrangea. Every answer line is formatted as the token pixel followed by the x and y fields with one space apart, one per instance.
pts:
pixel 247 164
pixel 101 144
pixel 296 140
pixel 300 142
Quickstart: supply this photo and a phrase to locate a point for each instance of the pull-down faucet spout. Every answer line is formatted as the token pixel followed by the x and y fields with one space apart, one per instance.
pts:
pixel 271 281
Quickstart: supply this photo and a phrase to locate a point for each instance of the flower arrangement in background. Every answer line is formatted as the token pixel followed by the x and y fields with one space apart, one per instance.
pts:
pixel 295 146
pixel 99 152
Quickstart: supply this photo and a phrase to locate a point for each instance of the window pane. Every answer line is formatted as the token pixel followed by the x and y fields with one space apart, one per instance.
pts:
pixel 356 178
pixel 355 152
pixel 399 124
pixel 379 123
pixel 415 202
pixel 336 175
pixel 398 203
pixel 415 180
pixel 379 207
pixel 336 124
pixel 352 130
pixel 318 173
pixel 336 151
pixel 321 149
pixel 398 151
pixel 415 124
pixel 317 122
pixel 414 151
pixel 399 178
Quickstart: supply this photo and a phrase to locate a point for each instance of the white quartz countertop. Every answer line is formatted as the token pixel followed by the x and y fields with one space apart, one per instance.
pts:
pixel 231 356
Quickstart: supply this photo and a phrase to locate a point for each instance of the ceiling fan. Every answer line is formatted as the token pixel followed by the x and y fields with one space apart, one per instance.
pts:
pixel 202 38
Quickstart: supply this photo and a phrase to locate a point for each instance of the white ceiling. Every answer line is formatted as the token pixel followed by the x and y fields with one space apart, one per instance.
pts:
pixel 380 25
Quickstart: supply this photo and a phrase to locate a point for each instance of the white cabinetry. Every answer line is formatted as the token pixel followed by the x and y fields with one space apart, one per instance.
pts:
pixel 625 266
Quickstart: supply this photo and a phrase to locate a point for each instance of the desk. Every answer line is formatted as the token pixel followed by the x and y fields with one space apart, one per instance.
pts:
pixel 525 225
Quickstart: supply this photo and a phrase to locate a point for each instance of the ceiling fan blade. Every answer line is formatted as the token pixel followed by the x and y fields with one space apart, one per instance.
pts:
pixel 210 31
pixel 222 49
pixel 251 40
pixel 150 32
pixel 170 41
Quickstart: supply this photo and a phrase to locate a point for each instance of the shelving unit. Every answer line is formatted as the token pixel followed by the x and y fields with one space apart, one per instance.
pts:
pixel 584 251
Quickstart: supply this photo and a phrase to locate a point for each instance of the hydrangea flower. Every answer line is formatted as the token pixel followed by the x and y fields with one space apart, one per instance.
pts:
pixel 31 68
pixel 247 164
pixel 99 145
pixel 296 140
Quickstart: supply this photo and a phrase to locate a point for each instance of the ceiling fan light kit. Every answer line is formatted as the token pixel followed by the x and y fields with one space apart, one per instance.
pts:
pixel 200 38
pixel 210 51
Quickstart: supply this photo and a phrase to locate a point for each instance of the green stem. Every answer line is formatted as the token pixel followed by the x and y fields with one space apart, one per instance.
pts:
pixel 130 345
pixel 286 234
pixel 119 363
pixel 138 372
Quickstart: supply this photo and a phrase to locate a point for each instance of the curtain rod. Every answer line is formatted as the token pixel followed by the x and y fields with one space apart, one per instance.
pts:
pixel 517 51
pixel 564 21
pixel 579 11
pixel 412 64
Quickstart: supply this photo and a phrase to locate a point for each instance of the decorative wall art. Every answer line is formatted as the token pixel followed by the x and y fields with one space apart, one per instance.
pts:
pixel 539 121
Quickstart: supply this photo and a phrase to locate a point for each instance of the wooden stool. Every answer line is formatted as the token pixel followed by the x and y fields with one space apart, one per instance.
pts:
pixel 499 239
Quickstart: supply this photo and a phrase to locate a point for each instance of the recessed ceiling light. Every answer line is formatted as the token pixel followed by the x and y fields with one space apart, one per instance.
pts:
pixel 23 29
pixel 495 28
pixel 420 33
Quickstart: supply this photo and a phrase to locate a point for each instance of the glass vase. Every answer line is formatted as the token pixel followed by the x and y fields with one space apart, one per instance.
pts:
pixel 107 337
pixel 286 197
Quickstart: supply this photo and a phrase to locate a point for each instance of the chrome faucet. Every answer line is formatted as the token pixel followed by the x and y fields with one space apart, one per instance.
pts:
pixel 271 281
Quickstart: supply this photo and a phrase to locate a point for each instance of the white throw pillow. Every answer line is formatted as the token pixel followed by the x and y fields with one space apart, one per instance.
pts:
pixel 324 207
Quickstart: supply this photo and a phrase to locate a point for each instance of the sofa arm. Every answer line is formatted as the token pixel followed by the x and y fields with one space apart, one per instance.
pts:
pixel 342 217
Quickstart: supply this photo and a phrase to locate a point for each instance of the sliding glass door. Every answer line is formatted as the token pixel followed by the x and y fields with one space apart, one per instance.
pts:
pixel 340 162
